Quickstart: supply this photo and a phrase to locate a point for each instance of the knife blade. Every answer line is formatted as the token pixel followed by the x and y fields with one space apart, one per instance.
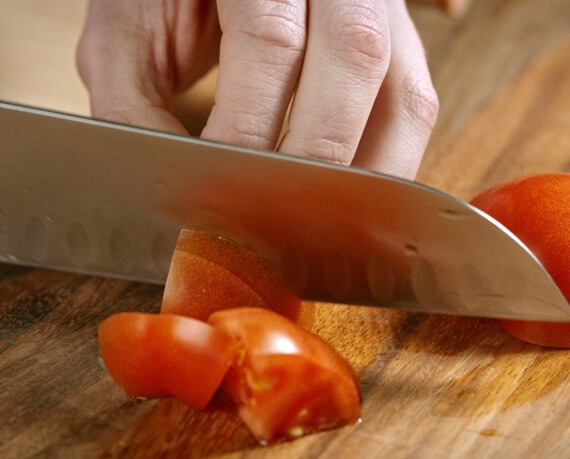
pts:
pixel 99 198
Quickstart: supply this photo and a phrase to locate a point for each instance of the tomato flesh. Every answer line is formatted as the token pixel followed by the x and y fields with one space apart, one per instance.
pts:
pixel 210 273
pixel 537 210
pixel 287 382
pixel 152 355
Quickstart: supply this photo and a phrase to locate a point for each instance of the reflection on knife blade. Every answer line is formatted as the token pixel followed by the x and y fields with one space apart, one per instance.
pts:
pixel 95 197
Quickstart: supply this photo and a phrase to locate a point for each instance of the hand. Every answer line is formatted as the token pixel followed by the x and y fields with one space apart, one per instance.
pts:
pixel 356 68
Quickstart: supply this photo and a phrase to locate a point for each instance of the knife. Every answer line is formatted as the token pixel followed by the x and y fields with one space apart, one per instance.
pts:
pixel 100 198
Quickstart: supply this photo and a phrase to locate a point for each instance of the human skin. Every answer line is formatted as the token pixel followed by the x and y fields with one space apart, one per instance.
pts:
pixel 357 69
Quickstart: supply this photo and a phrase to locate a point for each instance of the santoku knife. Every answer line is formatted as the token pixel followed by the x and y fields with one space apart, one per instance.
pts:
pixel 100 198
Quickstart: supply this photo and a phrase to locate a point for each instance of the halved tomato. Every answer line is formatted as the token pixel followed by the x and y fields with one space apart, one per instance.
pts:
pixel 209 273
pixel 286 381
pixel 156 355
pixel 537 210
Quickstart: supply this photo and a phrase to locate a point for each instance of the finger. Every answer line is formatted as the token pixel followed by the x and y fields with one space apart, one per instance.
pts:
pixel 347 57
pixel 406 108
pixel 261 53
pixel 133 55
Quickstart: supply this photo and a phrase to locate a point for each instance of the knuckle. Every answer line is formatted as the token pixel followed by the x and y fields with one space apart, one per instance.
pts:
pixel 81 60
pixel 246 136
pixel 329 149
pixel 87 52
pixel 245 128
pixel 362 35
pixel 277 24
pixel 420 99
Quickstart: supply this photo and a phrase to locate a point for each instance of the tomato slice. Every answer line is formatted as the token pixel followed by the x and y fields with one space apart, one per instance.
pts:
pixel 152 355
pixel 536 209
pixel 209 273
pixel 286 381
pixel 197 287
pixel 553 334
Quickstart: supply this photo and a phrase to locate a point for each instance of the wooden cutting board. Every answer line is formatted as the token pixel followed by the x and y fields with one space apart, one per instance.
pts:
pixel 526 130
pixel 433 386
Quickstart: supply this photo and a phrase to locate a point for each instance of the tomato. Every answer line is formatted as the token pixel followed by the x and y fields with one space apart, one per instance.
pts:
pixel 196 287
pixel 156 355
pixel 553 334
pixel 537 210
pixel 286 381
pixel 209 273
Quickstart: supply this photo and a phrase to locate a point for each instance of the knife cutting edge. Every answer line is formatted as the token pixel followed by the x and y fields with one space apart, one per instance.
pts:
pixel 99 198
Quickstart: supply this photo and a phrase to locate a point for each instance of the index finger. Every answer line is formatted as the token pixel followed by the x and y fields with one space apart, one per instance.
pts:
pixel 261 52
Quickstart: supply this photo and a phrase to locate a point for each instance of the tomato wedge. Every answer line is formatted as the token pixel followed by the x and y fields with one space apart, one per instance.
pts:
pixel 286 381
pixel 157 355
pixel 536 209
pixel 196 287
pixel 209 273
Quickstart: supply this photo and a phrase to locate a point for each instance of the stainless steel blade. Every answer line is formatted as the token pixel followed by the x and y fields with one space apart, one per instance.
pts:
pixel 94 197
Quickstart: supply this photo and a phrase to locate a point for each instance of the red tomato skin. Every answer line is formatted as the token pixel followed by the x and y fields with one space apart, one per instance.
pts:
pixel 128 363
pixel 536 209
pixel 210 273
pixel 152 355
pixel 196 287
pixel 552 334
pixel 286 381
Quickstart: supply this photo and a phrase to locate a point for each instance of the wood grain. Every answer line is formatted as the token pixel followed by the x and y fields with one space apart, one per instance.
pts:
pixel 433 386
pixel 524 131
pixel 476 57
pixel 37 54
pixel 453 7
